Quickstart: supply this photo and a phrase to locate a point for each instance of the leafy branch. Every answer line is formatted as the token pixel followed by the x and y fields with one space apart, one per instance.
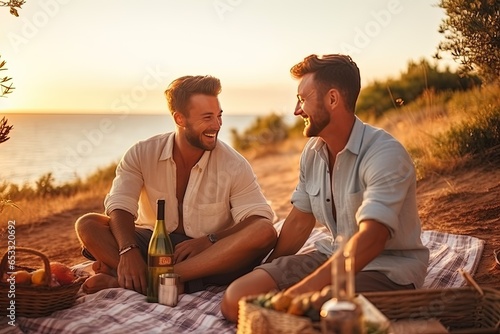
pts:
pixel 13 4
pixel 4 90
pixel 4 130
pixel 4 87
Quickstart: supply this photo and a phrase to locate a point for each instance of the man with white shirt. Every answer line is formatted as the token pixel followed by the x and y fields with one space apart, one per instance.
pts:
pixel 356 180
pixel 213 202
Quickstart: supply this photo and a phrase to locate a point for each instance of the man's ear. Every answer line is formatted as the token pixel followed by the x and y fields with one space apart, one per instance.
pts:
pixel 333 98
pixel 179 119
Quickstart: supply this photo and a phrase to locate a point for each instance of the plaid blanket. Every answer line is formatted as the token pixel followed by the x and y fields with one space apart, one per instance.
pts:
pixel 448 254
pixel 120 310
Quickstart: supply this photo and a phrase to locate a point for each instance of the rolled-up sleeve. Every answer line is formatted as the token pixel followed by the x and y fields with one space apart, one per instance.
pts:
pixel 246 196
pixel 300 197
pixel 126 188
pixel 388 176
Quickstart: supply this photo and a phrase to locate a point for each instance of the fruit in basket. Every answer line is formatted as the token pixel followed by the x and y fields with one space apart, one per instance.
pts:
pixel 281 302
pixel 300 304
pixel 321 297
pixel 37 277
pixel 22 277
pixel 306 304
pixel 62 273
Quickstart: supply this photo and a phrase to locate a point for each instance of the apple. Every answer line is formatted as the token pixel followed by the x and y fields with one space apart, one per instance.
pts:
pixel 63 274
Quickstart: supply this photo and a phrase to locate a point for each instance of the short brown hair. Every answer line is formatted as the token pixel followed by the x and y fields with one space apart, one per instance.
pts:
pixel 332 71
pixel 180 91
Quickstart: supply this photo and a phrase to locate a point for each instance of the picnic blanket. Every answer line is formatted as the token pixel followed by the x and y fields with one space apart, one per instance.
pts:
pixel 119 310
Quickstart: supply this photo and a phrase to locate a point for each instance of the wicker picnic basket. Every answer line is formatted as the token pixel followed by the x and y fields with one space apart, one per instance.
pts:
pixel 253 319
pixel 460 310
pixel 34 301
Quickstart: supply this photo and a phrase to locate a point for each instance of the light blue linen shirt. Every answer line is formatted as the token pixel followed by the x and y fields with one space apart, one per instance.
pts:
pixel 373 178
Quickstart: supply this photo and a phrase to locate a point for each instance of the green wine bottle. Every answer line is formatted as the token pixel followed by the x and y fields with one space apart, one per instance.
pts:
pixel 160 254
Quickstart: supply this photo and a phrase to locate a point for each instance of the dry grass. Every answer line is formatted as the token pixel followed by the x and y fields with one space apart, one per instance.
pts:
pixel 417 127
pixel 33 211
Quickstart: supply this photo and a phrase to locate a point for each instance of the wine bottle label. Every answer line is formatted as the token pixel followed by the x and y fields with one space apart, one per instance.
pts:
pixel 161 261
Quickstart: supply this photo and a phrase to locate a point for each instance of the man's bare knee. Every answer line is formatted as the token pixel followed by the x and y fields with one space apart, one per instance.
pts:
pixel 254 283
pixel 88 223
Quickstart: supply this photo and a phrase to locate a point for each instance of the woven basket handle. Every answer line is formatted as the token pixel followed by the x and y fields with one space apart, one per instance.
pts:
pixel 48 275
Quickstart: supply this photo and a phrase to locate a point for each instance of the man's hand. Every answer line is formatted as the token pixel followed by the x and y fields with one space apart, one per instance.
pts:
pixel 311 283
pixel 190 248
pixel 366 244
pixel 132 271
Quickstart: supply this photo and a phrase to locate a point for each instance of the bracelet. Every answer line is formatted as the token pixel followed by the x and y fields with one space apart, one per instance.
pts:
pixel 126 249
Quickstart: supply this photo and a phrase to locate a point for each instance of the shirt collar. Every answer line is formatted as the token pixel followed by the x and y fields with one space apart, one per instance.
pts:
pixel 168 150
pixel 356 137
pixel 354 142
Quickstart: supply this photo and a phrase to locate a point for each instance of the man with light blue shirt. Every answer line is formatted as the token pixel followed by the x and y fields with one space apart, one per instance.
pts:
pixel 356 180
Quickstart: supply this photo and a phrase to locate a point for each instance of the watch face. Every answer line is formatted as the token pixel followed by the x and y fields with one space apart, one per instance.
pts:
pixel 212 237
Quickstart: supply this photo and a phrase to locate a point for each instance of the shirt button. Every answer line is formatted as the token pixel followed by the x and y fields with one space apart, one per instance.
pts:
pixel 328 200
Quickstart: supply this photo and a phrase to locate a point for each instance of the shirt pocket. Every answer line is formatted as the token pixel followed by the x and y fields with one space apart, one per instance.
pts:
pixel 213 217
pixel 352 204
pixel 317 201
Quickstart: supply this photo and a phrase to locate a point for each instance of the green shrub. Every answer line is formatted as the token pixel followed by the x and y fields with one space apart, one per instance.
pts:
pixel 46 186
pixel 381 96
pixel 264 130
pixel 472 137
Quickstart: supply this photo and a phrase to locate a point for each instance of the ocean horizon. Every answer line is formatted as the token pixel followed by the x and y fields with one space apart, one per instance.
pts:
pixel 72 146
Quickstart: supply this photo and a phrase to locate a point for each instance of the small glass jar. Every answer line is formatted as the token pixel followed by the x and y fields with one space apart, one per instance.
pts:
pixel 342 314
pixel 341 317
pixel 168 293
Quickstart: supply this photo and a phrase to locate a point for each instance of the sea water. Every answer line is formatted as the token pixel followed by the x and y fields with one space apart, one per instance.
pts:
pixel 75 145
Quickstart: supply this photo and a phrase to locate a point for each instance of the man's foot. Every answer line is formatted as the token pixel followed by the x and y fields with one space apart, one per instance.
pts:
pixel 99 282
pixel 101 268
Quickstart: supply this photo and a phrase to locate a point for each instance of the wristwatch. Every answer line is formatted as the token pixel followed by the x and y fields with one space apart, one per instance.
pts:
pixel 212 237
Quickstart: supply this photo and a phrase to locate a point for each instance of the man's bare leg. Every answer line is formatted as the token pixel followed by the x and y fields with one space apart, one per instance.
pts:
pixel 254 283
pixel 94 233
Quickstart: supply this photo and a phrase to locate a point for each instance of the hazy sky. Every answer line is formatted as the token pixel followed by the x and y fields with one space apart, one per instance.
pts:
pixel 119 56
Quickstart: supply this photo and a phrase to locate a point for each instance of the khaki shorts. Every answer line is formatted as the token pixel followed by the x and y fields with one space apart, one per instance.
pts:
pixel 289 270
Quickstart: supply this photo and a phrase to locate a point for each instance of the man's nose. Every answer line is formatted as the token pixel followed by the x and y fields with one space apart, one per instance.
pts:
pixel 298 109
pixel 218 123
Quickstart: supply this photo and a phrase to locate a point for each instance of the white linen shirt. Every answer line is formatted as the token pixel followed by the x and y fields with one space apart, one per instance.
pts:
pixel 222 189
pixel 373 178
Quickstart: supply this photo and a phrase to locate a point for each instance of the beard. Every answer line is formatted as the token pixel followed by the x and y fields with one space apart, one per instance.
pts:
pixel 195 139
pixel 316 125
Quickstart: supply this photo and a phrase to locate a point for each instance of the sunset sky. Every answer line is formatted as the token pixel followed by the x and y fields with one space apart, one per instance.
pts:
pixel 119 56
